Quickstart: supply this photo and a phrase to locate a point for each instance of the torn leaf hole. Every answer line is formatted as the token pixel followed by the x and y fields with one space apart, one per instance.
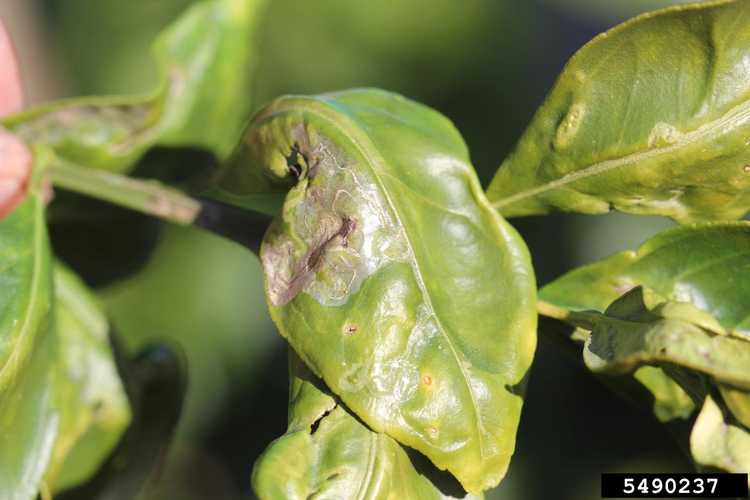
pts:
pixel 314 426
pixel 294 161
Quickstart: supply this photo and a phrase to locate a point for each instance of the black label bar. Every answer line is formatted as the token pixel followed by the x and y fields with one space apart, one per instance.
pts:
pixel 674 486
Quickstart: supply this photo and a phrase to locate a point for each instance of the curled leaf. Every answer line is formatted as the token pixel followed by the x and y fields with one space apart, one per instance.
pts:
pixel 651 117
pixel 706 265
pixel 205 59
pixel 629 335
pixel 718 443
pixel 328 453
pixel 390 274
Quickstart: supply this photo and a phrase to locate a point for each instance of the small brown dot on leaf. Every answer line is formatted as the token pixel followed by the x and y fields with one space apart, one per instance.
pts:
pixel 426 380
pixel 350 329
pixel 746 169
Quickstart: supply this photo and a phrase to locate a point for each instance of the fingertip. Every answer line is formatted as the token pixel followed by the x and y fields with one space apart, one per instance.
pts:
pixel 11 88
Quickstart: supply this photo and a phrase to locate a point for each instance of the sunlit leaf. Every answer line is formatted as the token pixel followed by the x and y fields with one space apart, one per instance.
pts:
pixel 62 406
pixel 203 99
pixel 717 443
pixel 328 453
pixel 391 276
pixel 706 265
pixel 652 117
pixel 28 420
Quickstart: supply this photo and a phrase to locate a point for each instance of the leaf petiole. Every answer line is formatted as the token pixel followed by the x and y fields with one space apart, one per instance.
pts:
pixel 145 196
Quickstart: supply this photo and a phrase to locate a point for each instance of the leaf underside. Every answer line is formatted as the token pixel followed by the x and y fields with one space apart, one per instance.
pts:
pixel 62 405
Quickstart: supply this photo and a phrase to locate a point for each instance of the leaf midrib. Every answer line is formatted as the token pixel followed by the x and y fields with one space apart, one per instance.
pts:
pixel 716 127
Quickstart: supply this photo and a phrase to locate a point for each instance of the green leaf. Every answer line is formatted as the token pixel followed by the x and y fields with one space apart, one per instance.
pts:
pixel 203 98
pixel 328 453
pixel 62 407
pixel 392 277
pixel 718 443
pixel 156 387
pixel 651 117
pixel 629 335
pixel 706 265
pixel 738 402
pixel 28 421
pixel 670 400
pixel 90 398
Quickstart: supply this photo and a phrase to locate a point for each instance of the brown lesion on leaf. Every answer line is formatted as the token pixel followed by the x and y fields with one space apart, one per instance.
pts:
pixel 334 233
pixel 351 329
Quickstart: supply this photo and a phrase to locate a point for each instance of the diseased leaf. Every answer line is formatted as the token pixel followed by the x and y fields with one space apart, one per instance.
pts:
pixel 208 57
pixel 328 453
pixel 391 276
pixel 716 443
pixel 205 58
pixel 652 117
pixel 706 265
pixel 629 335
pixel 90 398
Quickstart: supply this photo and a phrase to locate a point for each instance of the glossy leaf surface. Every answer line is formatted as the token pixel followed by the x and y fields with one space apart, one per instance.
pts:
pixel 652 117
pixel 391 276
pixel 629 335
pixel 208 48
pixel 328 453
pixel 28 421
pixel 90 398
pixel 706 265
pixel 62 406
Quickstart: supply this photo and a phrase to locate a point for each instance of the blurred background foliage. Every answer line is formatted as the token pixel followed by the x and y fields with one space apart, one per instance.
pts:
pixel 486 64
